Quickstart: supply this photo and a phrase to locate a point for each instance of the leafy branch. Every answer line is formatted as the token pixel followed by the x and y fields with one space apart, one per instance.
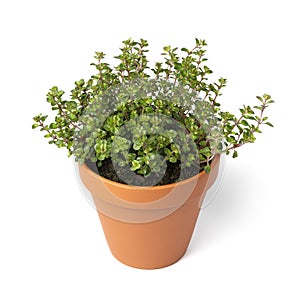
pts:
pixel 187 67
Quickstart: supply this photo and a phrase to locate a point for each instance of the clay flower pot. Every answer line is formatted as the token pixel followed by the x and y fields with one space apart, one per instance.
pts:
pixel 148 227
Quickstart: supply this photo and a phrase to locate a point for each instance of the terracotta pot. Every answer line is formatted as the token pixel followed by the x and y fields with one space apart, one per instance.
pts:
pixel 148 227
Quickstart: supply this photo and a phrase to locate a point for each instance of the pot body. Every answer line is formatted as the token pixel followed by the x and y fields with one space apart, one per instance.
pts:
pixel 148 227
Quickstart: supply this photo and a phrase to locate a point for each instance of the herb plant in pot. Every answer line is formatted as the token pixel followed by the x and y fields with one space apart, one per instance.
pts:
pixel 148 144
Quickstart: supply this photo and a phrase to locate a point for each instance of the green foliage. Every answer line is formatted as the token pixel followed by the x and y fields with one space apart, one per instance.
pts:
pixel 140 149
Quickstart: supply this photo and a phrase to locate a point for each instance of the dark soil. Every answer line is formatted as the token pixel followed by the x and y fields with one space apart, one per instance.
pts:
pixel 171 175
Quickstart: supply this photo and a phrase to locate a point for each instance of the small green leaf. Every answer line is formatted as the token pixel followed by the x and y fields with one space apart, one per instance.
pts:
pixel 72 117
pixel 269 124
pixel 235 154
pixel 173 159
pixel 35 126
pixel 135 165
pixel 267 96
pixel 250 118
pixel 260 98
pixel 207 169
pixel 245 123
pixel 43 118
pixel 53 126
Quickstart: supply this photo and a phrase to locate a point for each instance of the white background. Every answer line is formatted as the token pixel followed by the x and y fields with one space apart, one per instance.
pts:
pixel 246 243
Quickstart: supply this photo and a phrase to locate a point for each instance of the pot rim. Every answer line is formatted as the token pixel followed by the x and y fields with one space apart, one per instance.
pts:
pixel 135 187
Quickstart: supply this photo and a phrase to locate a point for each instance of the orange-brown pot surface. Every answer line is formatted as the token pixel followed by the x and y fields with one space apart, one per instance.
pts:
pixel 148 227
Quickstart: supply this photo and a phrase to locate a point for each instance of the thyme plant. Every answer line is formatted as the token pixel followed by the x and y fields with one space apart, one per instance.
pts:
pixel 137 149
